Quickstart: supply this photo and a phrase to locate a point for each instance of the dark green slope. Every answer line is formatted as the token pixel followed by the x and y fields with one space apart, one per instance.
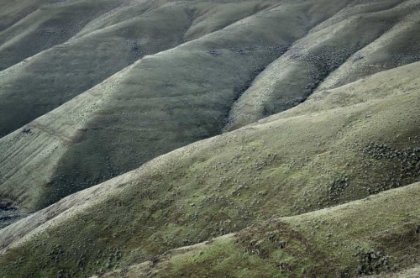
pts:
pixel 109 43
pixel 55 76
pixel 377 34
pixel 47 26
pixel 262 64
pixel 160 103
pixel 294 194
pixel 169 100
pixel 317 155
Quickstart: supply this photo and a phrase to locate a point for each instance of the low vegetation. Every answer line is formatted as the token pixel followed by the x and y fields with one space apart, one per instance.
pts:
pixel 204 139
pixel 226 183
pixel 334 242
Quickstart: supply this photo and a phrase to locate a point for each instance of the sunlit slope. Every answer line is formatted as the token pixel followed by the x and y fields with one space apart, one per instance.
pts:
pixel 358 41
pixel 335 242
pixel 158 104
pixel 172 98
pixel 332 150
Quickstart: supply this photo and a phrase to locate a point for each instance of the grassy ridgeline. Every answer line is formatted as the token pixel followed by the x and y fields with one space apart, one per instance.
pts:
pixel 158 104
pixel 316 155
pixel 172 98
pixel 266 188
pixel 47 80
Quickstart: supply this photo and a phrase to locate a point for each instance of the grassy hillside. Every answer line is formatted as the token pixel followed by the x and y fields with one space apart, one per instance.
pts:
pixel 394 49
pixel 53 77
pixel 334 242
pixel 209 138
pixel 47 80
pixel 333 51
pixel 208 67
pixel 342 145
pixel 48 24
pixel 13 12
pixel 159 95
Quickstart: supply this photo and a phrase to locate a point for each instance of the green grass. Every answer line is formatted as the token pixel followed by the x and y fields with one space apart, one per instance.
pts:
pixel 145 79
pixel 223 184
pixel 327 243
pixel 268 182
pixel 326 53
pixel 173 85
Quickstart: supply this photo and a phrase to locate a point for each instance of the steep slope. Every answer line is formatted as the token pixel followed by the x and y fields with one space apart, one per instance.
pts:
pixel 342 145
pixel 169 99
pixel 333 242
pixel 45 81
pixel 382 32
pixel 156 105
pixel 397 47
pixel 50 23
pixel 11 11
pixel 53 77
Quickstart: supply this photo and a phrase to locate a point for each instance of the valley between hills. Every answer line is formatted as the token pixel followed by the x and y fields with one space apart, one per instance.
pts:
pixel 199 138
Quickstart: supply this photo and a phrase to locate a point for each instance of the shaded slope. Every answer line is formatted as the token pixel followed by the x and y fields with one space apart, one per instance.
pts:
pixel 51 78
pixel 107 44
pixel 13 11
pixel 206 16
pixel 294 76
pixel 160 103
pixel 333 242
pixel 49 25
pixel 396 48
pixel 298 161
pixel 209 19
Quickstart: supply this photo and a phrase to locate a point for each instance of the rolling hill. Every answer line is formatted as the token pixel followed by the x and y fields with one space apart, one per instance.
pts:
pixel 210 138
